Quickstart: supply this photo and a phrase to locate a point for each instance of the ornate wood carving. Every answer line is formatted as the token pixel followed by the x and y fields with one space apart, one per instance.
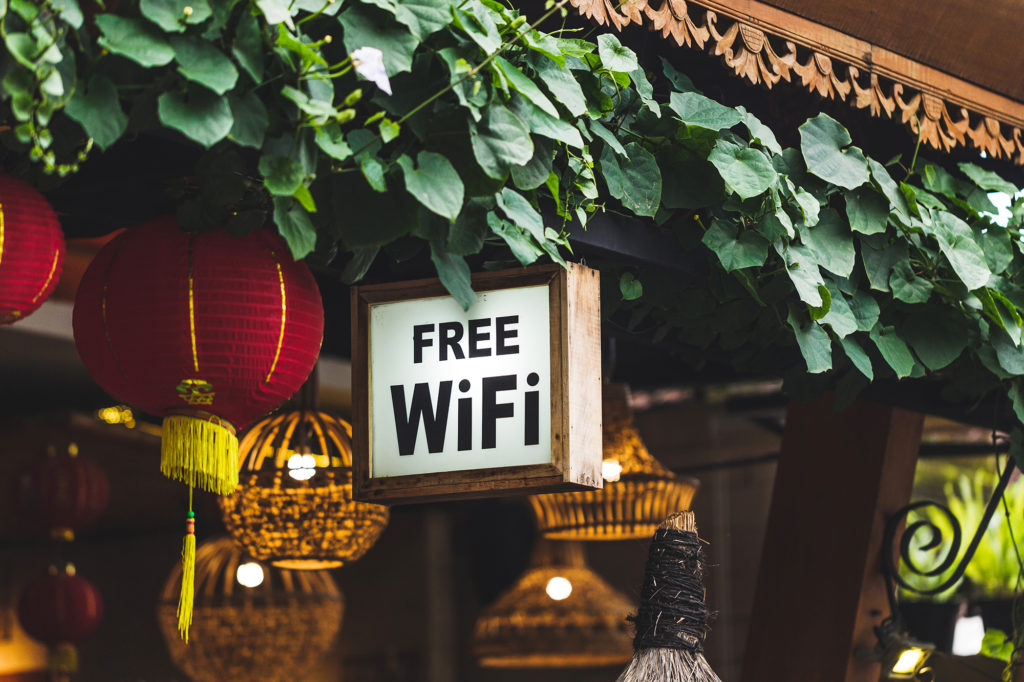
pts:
pixel 765 45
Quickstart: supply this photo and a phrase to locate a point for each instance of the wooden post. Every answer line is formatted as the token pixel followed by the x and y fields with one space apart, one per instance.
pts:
pixel 820 589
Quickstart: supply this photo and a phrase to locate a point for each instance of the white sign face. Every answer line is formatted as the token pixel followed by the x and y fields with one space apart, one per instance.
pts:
pixel 454 389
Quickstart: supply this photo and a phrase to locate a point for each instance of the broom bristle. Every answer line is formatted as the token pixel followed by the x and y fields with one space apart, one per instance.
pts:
pixel 668 665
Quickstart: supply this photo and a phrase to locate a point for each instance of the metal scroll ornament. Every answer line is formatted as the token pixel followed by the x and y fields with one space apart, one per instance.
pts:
pixel 935 540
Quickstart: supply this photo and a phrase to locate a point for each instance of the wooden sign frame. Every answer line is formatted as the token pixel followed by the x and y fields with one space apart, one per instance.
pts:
pixel 575 366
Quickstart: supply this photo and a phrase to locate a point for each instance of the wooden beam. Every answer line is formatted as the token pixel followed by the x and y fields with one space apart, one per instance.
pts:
pixel 820 589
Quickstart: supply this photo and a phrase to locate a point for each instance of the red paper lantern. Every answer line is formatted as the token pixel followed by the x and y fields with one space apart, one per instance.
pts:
pixel 207 330
pixel 61 493
pixel 60 608
pixel 31 249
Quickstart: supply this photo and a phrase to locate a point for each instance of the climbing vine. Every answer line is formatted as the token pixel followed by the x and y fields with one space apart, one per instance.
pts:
pixel 446 126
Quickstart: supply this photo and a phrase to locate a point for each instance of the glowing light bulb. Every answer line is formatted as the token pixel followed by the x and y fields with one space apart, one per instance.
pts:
pixel 968 636
pixel 301 467
pixel 909 661
pixel 558 588
pixel 611 470
pixel 249 574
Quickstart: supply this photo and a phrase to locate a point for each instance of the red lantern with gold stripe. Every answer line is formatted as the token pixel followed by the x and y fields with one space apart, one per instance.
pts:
pixel 31 249
pixel 60 607
pixel 61 493
pixel 207 330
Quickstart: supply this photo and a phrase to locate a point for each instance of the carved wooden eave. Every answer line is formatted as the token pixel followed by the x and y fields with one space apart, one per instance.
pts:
pixel 766 44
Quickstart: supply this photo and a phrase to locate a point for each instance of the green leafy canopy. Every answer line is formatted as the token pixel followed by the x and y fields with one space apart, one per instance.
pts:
pixel 497 135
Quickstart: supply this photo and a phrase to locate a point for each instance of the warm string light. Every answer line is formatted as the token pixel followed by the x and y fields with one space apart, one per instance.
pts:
pixel 301 467
pixel 558 588
pixel 117 414
pixel 249 574
pixel 909 661
pixel 611 470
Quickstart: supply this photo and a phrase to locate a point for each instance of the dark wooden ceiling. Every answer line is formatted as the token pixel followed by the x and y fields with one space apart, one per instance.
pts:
pixel 973 40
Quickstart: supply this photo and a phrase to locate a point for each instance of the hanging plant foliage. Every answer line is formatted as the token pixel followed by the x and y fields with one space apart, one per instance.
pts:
pixel 449 126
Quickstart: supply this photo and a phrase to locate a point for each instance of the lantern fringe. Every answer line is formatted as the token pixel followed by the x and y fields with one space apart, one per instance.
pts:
pixel 201 453
pixel 188 576
pixel 63 659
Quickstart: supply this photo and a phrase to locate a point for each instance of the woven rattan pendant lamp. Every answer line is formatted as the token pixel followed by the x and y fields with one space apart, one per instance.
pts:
pixel 560 614
pixel 250 621
pixel 638 494
pixel 293 506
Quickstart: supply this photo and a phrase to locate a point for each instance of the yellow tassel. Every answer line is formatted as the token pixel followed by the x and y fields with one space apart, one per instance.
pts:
pixel 188 577
pixel 200 452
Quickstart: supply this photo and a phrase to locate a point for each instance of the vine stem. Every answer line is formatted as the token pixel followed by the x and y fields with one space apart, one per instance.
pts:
pixel 469 74
pixel 917 148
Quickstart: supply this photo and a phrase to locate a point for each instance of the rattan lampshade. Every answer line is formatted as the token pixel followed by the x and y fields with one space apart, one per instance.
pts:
pixel 631 507
pixel 273 632
pixel 560 614
pixel 293 505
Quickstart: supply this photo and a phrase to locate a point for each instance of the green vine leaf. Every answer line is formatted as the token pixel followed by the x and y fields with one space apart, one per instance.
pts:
pixel 98 111
pixel 424 17
pixel 250 120
pixel 746 171
pixel 635 181
pixel 813 342
pixel 276 12
pixel 858 357
pixel 956 240
pixel 630 287
pixel 434 183
pixel 454 274
pixel 172 15
pixel 199 115
pixel 295 226
pixel 986 179
pixel 867 211
pixel 69 11
pixel 695 109
pixel 831 243
pixel 561 84
pixel 936 337
pixel 134 39
pixel 247 47
pixel 201 62
pixel 735 252
pixel 500 141
pixel 362 28
pixel 894 350
pixel 827 150
pixel 282 175
pixel 614 55
pixel 526 87
pixel 907 286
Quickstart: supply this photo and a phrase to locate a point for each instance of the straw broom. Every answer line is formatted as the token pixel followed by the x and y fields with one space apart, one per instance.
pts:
pixel 672 620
